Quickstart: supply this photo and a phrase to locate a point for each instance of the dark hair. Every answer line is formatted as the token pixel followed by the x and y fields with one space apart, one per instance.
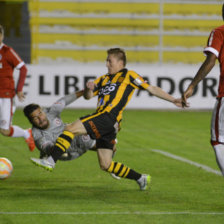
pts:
pixel 27 110
pixel 1 29
pixel 120 54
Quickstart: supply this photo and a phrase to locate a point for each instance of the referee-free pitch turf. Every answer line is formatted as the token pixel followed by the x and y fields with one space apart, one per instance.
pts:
pixel 79 192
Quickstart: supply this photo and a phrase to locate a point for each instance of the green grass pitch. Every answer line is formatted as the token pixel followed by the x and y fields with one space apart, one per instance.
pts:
pixel 79 192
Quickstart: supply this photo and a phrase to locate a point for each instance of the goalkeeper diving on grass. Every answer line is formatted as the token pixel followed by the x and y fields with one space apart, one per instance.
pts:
pixel 47 126
pixel 114 91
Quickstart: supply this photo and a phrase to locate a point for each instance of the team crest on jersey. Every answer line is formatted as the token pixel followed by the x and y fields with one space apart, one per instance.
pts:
pixel 85 138
pixel 120 79
pixel 0 65
pixel 57 121
pixel 0 57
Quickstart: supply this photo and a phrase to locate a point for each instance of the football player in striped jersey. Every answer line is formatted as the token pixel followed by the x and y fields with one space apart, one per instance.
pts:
pixel 114 90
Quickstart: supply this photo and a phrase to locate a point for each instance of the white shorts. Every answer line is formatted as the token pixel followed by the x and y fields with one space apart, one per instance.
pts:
pixel 6 112
pixel 217 122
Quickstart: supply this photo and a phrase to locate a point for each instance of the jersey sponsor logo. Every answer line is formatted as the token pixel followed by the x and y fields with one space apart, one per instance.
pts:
pixel 108 89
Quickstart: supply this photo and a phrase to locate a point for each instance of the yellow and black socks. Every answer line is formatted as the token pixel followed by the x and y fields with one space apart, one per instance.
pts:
pixel 63 142
pixel 123 171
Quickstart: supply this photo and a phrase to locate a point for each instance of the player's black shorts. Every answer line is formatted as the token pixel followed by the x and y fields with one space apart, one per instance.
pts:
pixel 101 127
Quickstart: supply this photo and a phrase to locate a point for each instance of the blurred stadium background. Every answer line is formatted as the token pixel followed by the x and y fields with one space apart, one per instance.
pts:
pixel 60 31
pixel 63 41
pixel 56 36
pixel 164 40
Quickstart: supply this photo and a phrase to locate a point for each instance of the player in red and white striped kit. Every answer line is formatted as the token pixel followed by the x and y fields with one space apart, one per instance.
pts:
pixel 214 50
pixel 9 60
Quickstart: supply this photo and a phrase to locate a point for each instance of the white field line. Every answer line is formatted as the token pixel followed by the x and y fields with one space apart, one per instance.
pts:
pixel 113 213
pixel 204 167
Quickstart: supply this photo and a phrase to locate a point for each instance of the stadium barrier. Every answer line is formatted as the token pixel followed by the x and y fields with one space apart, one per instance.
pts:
pixel 45 84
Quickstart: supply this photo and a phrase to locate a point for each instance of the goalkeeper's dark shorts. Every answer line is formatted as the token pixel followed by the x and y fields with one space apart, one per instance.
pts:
pixel 102 127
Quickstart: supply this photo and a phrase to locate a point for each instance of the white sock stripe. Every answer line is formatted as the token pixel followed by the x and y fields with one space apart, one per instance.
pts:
pixel 18 132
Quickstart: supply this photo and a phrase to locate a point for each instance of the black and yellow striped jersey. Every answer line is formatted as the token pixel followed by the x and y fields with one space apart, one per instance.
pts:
pixel 115 91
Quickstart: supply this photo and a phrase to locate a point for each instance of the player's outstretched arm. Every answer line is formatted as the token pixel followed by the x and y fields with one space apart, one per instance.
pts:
pixel 203 71
pixel 79 93
pixel 68 99
pixel 157 91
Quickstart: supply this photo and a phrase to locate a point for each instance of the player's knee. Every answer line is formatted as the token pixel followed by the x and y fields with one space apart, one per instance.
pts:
pixel 76 128
pixel 104 165
pixel 68 127
pixel 5 132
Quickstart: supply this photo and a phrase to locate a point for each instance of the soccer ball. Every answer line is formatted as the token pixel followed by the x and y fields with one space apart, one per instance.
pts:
pixel 5 168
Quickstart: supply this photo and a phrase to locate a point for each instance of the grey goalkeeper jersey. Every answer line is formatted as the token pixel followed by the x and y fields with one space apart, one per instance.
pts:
pixel 45 139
